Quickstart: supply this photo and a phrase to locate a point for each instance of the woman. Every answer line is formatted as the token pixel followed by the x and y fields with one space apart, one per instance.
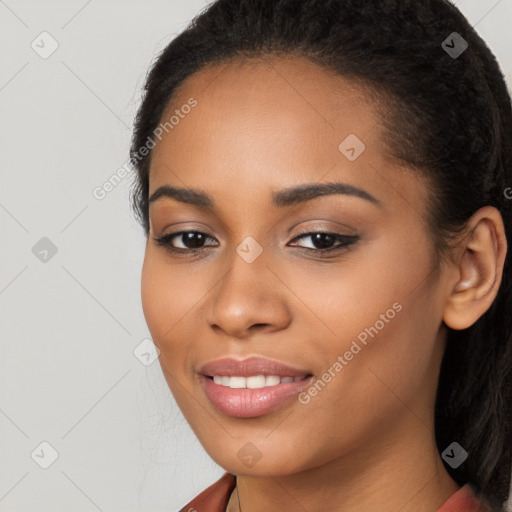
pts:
pixel 325 190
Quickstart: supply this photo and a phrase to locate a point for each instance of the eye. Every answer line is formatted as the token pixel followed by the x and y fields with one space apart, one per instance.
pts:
pixel 191 241
pixel 323 241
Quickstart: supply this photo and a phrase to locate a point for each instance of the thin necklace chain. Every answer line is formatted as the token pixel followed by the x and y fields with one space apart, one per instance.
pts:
pixel 238 496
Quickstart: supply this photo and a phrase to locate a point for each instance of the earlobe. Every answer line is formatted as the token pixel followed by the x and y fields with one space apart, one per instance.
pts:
pixel 480 269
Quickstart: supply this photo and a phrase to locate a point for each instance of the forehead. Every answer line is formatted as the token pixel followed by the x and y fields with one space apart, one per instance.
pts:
pixel 267 124
pixel 271 89
pixel 289 105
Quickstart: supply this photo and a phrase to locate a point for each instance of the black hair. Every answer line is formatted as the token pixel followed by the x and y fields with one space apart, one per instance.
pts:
pixel 448 116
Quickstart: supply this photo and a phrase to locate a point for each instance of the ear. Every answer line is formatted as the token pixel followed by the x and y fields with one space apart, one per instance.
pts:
pixel 480 257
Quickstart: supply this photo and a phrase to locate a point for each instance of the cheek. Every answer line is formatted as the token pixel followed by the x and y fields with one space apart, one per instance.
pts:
pixel 151 294
pixel 379 312
pixel 171 296
pixel 376 386
pixel 163 299
pixel 365 287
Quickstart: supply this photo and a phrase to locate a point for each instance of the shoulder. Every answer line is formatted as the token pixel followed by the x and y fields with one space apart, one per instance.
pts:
pixel 214 498
pixel 466 500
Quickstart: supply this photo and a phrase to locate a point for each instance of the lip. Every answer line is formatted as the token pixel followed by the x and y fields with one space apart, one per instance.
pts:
pixel 251 366
pixel 250 403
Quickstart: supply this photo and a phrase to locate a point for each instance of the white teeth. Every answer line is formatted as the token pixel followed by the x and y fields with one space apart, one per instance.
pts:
pixel 252 382
pixel 256 382
pixel 272 380
pixel 237 382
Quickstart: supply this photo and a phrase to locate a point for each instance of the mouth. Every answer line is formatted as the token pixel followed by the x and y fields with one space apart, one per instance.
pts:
pixel 251 387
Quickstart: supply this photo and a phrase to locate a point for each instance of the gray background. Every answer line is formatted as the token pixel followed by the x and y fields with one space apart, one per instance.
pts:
pixel 70 323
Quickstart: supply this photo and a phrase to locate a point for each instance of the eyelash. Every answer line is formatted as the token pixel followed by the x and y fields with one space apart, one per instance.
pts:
pixel 346 242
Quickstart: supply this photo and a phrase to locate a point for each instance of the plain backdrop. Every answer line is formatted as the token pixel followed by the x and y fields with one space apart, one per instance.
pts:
pixel 74 396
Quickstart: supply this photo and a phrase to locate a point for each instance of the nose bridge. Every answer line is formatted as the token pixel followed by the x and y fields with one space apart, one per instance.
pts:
pixel 248 293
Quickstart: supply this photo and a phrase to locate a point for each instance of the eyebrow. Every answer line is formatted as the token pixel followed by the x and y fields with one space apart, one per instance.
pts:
pixel 283 198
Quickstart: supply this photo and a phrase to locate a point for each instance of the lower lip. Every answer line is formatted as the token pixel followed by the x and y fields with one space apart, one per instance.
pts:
pixel 249 403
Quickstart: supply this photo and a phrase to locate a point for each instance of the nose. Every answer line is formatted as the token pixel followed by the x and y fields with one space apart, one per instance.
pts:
pixel 248 299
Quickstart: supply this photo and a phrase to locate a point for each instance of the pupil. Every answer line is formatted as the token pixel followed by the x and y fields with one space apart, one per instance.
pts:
pixel 319 242
pixel 188 238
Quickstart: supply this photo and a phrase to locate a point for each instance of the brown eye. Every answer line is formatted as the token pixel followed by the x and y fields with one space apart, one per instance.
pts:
pixel 191 241
pixel 323 241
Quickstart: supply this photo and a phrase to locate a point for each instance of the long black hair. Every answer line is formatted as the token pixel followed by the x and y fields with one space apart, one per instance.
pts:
pixel 447 115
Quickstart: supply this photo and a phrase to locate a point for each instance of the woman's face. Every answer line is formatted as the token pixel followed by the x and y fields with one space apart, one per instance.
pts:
pixel 361 323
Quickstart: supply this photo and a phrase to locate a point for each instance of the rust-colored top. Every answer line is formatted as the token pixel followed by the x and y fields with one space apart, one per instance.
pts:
pixel 215 498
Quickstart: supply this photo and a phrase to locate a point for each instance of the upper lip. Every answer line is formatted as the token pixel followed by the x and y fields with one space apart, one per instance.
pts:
pixel 229 366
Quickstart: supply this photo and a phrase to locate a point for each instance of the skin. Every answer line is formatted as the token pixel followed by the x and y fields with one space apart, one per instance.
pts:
pixel 366 441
